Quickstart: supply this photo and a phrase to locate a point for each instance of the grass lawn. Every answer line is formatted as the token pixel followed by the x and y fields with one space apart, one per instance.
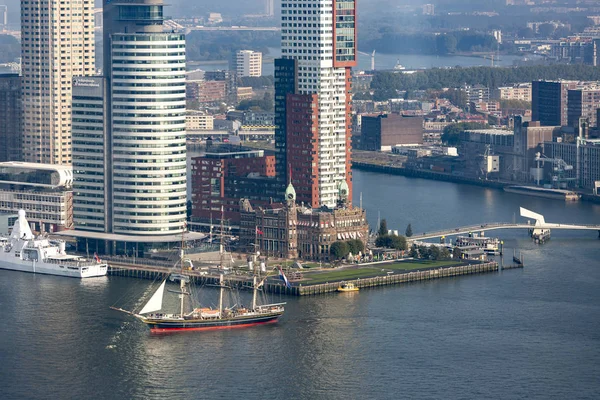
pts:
pixel 340 275
pixel 369 271
pixel 409 265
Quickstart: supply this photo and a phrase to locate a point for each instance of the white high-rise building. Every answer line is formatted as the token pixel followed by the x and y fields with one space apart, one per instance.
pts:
pixel 3 15
pixel 130 150
pixel 270 7
pixel 249 63
pixel 57 43
pixel 318 47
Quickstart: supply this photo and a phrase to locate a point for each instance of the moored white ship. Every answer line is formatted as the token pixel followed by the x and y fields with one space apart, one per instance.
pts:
pixel 22 251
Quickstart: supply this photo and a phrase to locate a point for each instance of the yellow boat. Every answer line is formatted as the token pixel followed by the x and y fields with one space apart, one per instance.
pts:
pixel 347 287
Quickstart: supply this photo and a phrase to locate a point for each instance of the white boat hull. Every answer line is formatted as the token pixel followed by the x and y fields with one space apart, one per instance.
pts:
pixel 90 271
pixel 22 251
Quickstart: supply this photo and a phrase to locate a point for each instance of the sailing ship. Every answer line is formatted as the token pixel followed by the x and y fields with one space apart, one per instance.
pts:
pixel 22 251
pixel 203 318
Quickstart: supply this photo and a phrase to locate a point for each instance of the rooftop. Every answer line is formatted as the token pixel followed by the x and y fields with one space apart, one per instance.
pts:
pixel 491 131
pixel 37 166
pixel 131 238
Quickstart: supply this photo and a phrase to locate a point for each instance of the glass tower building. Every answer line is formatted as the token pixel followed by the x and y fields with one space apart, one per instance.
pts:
pixel 139 165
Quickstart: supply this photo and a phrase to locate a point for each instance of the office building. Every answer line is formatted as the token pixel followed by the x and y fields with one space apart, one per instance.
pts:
pixel 583 156
pixel 520 91
pixel 10 118
pixel 383 132
pixel 198 121
pixel 583 103
pixel 244 93
pixel 91 161
pixel 248 63
pixel 312 98
pixel 528 140
pixel 253 118
pixel 428 9
pixel 130 175
pixel 292 230
pixel 57 43
pixel 44 191
pixel 226 174
pixel 477 94
pixel 549 102
pixel 3 15
pixel 206 92
pixel 230 79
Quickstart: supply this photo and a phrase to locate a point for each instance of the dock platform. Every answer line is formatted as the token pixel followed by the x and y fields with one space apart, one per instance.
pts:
pixel 299 289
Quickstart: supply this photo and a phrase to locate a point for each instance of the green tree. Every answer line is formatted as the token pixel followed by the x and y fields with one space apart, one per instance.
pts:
pixel 355 246
pixel 526 33
pixel 391 242
pixel 452 132
pixel 383 241
pixel 383 230
pixel 398 242
pixel 456 253
pixel 339 250
pixel 414 253
pixel 457 97
pixel 434 252
pixel 445 253
pixel 409 231
pixel 446 44
pixel 362 96
pixel 424 252
pixel 545 31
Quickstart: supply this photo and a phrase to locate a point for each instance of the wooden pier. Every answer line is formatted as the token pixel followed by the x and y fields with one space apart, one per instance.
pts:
pixel 298 289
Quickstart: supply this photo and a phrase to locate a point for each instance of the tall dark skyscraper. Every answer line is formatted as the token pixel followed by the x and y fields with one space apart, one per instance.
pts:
pixel 549 102
pixel 10 118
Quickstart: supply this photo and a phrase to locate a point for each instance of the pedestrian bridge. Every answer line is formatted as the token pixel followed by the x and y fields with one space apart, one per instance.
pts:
pixel 540 224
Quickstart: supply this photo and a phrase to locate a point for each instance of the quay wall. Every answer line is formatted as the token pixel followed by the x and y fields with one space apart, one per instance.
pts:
pixel 426 174
pixel 446 177
pixel 317 289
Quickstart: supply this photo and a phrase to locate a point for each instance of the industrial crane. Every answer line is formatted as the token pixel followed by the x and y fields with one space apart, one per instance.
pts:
pixel 559 167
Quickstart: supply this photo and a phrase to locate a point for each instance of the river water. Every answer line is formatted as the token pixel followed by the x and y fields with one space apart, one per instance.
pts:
pixel 383 61
pixel 531 333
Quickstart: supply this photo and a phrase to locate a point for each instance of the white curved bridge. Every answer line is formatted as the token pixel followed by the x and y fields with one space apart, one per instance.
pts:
pixel 540 224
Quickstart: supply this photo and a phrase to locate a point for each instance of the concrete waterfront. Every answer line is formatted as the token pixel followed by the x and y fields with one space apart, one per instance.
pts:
pixel 300 289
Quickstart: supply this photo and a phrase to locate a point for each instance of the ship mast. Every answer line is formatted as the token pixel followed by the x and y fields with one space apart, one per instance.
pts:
pixel 221 282
pixel 182 280
pixel 221 288
pixel 255 290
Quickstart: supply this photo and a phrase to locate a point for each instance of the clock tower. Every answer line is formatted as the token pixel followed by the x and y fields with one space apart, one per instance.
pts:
pixel 291 221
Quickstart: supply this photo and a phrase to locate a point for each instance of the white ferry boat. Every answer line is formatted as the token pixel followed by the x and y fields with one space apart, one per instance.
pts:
pixel 487 244
pixel 21 251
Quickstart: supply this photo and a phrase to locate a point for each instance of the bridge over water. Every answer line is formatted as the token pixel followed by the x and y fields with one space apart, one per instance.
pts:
pixel 540 225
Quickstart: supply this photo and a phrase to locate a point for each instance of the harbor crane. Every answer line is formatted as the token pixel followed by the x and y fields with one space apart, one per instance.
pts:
pixel 559 168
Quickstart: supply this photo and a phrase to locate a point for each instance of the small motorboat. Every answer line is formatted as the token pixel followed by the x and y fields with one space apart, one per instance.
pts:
pixel 347 287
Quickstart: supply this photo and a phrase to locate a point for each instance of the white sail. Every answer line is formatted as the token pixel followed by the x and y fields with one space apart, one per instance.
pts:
pixel 155 302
